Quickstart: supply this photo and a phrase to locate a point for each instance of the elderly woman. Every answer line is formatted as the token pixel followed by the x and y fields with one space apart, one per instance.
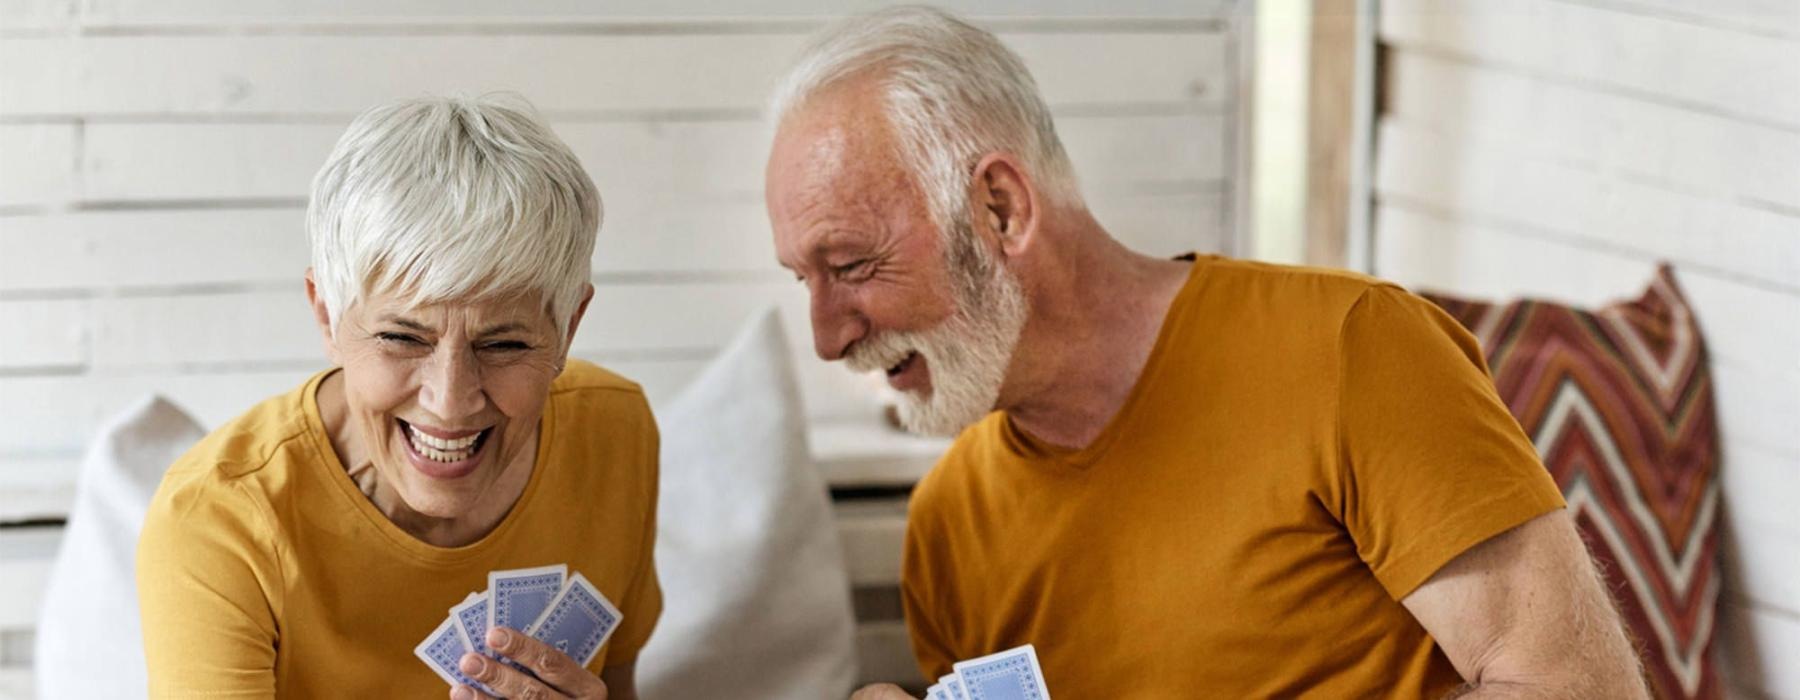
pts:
pixel 307 547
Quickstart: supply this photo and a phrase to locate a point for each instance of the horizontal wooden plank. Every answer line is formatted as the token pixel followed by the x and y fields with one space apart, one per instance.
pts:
pixel 276 327
pixel 1760 557
pixel 646 161
pixel 305 75
pixel 1719 69
pixel 1757 648
pixel 1495 180
pixel 37 163
pixel 149 250
pixel 1757 410
pixel 43 334
pixel 1759 17
pixel 873 534
pixel 228 12
pixel 1745 325
pixel 1626 137
pixel 53 417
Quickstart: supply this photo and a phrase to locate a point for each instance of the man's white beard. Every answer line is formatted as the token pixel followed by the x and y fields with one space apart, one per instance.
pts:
pixel 967 354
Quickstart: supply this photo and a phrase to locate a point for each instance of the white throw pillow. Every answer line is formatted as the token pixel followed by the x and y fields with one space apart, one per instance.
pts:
pixel 756 598
pixel 89 641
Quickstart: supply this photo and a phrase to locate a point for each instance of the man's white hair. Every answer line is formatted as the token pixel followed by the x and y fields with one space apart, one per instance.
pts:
pixel 954 94
pixel 449 199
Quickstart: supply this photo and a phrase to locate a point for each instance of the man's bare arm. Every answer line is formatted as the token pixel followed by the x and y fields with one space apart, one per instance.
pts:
pixel 1525 615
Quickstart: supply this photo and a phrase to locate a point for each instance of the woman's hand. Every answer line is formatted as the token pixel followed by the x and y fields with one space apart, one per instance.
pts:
pixel 558 676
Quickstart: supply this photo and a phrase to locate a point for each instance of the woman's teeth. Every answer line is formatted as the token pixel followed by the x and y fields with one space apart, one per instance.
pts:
pixel 441 450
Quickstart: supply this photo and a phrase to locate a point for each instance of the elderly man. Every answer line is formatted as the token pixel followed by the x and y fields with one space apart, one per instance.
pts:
pixel 1175 478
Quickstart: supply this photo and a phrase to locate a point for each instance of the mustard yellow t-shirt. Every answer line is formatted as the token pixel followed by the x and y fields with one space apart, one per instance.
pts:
pixel 263 570
pixel 1302 450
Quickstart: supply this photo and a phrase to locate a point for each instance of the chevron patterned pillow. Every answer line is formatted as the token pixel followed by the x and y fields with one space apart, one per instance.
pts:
pixel 1619 403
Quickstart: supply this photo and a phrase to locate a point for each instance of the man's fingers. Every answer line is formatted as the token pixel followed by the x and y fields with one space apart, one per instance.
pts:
pixel 554 667
pixel 463 692
pixel 505 680
pixel 881 691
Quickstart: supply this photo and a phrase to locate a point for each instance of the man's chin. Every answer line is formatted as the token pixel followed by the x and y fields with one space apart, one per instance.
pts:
pixel 920 417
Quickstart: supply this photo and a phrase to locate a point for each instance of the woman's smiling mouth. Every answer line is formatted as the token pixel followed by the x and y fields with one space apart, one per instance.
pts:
pixel 443 454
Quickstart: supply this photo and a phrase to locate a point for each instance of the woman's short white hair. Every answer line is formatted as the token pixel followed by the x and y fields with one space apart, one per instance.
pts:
pixel 452 198
pixel 954 94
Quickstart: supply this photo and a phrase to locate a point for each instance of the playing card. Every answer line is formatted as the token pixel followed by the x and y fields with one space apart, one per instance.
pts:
pixel 578 622
pixel 518 596
pixel 471 618
pixel 1013 674
pixel 442 650
pixel 952 687
pixel 936 692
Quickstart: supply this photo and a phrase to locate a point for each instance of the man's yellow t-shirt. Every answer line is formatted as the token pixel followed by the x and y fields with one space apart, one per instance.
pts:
pixel 264 570
pixel 1301 451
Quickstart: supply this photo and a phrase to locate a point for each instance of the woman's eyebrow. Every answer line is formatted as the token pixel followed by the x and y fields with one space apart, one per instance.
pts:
pixel 507 327
pixel 406 323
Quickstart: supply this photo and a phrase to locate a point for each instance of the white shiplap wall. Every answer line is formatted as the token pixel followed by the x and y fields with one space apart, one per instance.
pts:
pixel 155 159
pixel 1557 148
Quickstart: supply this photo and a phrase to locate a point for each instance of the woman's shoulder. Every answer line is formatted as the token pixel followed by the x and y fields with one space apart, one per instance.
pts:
pixel 587 376
pixel 240 449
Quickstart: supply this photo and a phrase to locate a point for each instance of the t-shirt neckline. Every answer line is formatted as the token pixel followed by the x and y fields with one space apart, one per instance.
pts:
pixel 1034 451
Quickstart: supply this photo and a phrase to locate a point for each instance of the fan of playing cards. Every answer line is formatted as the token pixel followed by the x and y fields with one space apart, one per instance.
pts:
pixel 545 603
pixel 1013 674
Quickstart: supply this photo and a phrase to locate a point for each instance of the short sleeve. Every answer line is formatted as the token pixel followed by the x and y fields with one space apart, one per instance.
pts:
pixel 643 602
pixel 205 565
pixel 1432 463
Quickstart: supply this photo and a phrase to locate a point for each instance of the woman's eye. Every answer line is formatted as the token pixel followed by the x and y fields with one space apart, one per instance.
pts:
pixel 399 339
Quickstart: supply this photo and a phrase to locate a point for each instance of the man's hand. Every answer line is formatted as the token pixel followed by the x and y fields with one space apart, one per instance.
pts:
pixel 558 676
pixel 881 691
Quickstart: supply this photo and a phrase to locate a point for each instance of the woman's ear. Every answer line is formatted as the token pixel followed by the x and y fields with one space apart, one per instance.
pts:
pixel 321 316
pixel 1004 203
pixel 587 295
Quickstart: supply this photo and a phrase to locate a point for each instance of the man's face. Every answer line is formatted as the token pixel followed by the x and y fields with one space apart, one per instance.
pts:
pixel 851 222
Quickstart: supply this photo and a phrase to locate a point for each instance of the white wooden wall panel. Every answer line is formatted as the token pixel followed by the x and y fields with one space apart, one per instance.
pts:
pixel 1715 68
pixel 37 163
pixel 47 341
pixel 156 12
pixel 155 158
pixel 636 161
pixel 127 76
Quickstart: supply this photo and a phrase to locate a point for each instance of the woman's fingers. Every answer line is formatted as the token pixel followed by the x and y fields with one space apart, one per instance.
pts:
pixel 505 680
pixel 881 691
pixel 553 667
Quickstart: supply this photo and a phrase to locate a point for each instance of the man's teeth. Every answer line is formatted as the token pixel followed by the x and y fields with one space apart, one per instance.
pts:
pixel 441 450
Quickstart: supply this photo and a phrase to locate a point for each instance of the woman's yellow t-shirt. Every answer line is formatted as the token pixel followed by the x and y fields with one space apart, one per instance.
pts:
pixel 264 570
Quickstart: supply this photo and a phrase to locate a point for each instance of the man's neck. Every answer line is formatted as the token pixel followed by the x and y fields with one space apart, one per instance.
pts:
pixel 1097 310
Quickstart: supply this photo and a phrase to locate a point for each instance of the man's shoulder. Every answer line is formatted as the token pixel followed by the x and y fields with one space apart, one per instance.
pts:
pixel 1322 288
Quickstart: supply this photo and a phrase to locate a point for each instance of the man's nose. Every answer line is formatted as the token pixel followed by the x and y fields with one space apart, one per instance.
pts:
pixel 835 323
pixel 451 387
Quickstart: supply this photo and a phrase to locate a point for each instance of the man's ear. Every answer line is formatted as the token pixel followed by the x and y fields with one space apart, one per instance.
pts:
pixel 1004 203
pixel 321 316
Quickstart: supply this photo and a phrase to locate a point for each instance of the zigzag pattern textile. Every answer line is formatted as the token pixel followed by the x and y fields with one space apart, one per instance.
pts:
pixel 1619 403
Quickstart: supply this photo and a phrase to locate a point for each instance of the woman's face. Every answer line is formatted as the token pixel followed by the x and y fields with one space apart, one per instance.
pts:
pixel 446 397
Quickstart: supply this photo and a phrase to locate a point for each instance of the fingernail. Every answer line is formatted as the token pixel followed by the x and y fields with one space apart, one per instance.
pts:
pixel 462 693
pixel 472 664
pixel 498 638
